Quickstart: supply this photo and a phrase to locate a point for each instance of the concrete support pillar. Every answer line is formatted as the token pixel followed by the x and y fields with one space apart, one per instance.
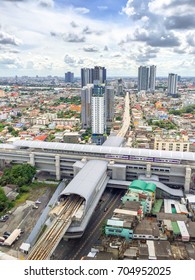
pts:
pixel 187 179
pixel 57 164
pixel 32 159
pixel 2 163
pixel 148 170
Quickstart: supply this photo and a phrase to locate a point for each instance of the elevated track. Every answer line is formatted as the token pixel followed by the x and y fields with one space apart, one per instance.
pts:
pixel 48 242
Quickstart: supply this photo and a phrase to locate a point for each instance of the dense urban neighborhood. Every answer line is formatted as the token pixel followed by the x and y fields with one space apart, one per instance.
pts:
pixel 130 139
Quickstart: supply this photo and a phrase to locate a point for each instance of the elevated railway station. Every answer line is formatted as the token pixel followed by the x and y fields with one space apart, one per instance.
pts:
pixel 76 205
pixel 59 159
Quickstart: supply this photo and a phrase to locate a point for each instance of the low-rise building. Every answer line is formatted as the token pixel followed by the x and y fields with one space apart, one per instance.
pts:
pixel 168 143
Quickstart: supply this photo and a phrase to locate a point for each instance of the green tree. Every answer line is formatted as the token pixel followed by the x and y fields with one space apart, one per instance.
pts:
pixel 10 129
pixel 15 133
pixel 3 200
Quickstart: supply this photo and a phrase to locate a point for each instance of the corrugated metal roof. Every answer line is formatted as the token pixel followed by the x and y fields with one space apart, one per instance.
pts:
pixel 9 241
pixel 151 250
pixel 114 141
pixel 114 223
pixel 105 149
pixel 175 227
pixel 85 182
pixel 138 184
pixel 190 198
pixel 142 185
pixel 8 146
pixel 168 224
pixel 183 229
pixel 167 206
pixel 125 212
pixel 150 187
pixel 157 206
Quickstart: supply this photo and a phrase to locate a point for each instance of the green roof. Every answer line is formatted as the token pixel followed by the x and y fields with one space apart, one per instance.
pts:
pixel 138 184
pixel 175 228
pixel 157 206
pixel 151 187
pixel 141 185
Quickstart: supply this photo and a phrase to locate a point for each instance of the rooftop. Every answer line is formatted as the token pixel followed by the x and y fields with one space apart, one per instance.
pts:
pixel 105 150
pixel 86 181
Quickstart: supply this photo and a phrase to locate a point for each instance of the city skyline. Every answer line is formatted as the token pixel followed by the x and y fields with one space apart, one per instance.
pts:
pixel 51 37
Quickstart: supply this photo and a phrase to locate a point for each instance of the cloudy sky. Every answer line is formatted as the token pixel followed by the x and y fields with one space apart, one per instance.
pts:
pixel 51 37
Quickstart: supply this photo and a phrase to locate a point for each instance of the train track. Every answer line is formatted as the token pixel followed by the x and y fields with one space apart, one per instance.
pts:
pixel 97 226
pixel 126 118
pixel 50 239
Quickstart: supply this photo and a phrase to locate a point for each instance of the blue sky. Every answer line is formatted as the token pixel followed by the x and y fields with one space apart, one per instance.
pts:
pixel 51 37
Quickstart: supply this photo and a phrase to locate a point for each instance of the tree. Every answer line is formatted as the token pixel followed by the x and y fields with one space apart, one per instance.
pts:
pixel 19 114
pixel 10 129
pixel 3 200
pixel 15 133
pixel 19 174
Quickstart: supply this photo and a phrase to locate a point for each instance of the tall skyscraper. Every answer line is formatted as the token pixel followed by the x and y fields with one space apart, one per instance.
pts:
pixel 98 110
pixel 99 74
pixel 143 78
pixel 172 84
pixel 109 104
pixel 91 75
pixel 152 78
pixel 86 93
pixel 86 76
pixel 69 77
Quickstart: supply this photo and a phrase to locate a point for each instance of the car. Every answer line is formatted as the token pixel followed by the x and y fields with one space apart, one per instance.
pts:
pixel 5 236
pixel 35 206
pixel 4 218
pixel 105 209
pixel 37 202
pixel 7 233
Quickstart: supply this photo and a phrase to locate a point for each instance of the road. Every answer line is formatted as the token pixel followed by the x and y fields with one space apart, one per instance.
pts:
pixel 126 117
pixel 75 249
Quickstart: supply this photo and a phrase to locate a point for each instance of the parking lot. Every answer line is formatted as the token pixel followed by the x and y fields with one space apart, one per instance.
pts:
pixel 25 217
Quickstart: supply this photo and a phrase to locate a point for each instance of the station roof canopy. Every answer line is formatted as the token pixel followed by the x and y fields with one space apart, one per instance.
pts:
pixel 113 141
pixel 85 182
pixel 104 150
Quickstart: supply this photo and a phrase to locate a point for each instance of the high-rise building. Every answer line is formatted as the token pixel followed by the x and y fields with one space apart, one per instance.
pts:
pixel 98 110
pixel 86 93
pixel 172 84
pixel 143 78
pixel 152 78
pixel 93 75
pixel 99 74
pixel 109 104
pixel 119 87
pixel 147 78
pixel 86 76
pixel 69 77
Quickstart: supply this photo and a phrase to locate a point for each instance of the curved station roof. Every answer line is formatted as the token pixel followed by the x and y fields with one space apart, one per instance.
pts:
pixel 85 182
pixel 104 150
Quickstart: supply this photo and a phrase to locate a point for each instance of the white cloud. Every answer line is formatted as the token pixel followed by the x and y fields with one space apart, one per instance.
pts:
pixel 9 39
pixel 169 8
pixel 90 48
pixel 129 9
pixel 50 38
